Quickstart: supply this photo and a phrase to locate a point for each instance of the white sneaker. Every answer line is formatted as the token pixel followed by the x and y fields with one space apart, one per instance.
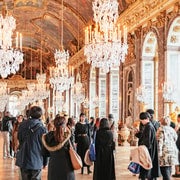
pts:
pixel 10 157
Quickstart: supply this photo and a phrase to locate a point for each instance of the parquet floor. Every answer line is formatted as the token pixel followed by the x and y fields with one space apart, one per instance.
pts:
pixel 8 171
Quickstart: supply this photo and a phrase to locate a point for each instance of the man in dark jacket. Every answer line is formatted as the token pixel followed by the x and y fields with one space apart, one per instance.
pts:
pixel 148 138
pixel 155 123
pixel 29 157
pixel 6 132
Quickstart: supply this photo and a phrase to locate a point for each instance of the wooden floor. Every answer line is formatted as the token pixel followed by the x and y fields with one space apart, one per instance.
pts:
pixel 8 171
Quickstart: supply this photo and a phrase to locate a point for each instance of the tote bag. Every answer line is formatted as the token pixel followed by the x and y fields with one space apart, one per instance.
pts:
pixel 75 158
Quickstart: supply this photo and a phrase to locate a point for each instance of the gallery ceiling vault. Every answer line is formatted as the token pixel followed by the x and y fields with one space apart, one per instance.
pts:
pixel 40 22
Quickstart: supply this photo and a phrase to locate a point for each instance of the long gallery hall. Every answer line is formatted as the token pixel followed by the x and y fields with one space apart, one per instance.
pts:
pixel 8 170
pixel 91 57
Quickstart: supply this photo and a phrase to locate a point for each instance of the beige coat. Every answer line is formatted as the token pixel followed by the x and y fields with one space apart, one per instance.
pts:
pixel 141 156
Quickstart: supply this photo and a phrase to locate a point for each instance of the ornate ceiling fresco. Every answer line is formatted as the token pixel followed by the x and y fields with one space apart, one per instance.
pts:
pixel 40 22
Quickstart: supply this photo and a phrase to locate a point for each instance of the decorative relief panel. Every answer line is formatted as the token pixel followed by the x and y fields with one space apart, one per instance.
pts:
pixel 138 13
pixel 131 49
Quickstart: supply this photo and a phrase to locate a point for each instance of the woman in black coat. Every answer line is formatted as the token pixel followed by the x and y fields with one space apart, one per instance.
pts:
pixel 104 167
pixel 148 138
pixel 56 146
pixel 82 139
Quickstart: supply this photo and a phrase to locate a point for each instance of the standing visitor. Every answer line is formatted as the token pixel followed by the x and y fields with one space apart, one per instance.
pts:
pixel 6 132
pixel 113 128
pixel 29 156
pixel 56 145
pixel 82 139
pixel 15 142
pixel 104 167
pixel 155 123
pixel 168 152
pixel 177 167
pixel 148 138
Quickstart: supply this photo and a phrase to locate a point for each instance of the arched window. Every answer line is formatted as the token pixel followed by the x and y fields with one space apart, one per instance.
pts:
pixel 173 57
pixel 149 70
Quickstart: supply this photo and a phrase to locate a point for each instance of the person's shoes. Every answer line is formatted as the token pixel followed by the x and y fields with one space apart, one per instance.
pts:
pixel 176 175
pixel 10 157
pixel 88 170
pixel 82 170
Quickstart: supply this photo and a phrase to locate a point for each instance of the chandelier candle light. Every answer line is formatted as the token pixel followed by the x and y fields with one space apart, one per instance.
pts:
pixel 10 58
pixel 59 75
pixel 103 45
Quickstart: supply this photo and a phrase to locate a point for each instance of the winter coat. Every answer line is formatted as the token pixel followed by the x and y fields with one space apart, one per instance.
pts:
pixel 148 139
pixel 60 166
pixel 7 124
pixel 29 155
pixel 104 167
pixel 168 152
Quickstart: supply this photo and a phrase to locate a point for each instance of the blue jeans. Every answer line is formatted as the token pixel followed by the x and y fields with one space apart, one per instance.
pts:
pixel 28 174
pixel 166 172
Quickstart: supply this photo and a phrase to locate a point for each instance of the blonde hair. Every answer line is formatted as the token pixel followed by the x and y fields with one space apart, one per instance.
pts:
pixel 165 121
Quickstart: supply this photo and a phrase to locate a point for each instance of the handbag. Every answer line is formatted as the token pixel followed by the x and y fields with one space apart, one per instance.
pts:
pixel 134 167
pixel 87 159
pixel 75 158
pixel 92 151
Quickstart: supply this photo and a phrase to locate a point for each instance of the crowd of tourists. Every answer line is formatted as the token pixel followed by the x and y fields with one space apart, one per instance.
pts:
pixel 37 145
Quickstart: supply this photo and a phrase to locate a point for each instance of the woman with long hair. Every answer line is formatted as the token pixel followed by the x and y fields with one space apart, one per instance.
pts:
pixel 57 145
pixel 15 141
pixel 82 139
pixel 104 167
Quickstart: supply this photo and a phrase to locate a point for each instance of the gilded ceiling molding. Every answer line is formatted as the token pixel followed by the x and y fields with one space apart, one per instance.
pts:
pixel 139 12
pixel 73 11
pixel 77 59
pixel 31 3
pixel 17 81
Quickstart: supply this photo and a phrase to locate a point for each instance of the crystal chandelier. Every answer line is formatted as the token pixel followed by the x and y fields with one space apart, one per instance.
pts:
pixel 103 46
pixel 3 96
pixel 10 58
pixel 95 101
pixel 79 94
pixel 141 94
pixel 59 75
pixel 105 13
pixel 168 92
pixel 42 91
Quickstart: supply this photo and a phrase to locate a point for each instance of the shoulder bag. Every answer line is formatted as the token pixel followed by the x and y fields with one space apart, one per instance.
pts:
pixel 75 158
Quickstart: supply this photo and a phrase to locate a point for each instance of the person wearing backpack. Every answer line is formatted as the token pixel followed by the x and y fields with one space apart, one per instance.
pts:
pixel 29 156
